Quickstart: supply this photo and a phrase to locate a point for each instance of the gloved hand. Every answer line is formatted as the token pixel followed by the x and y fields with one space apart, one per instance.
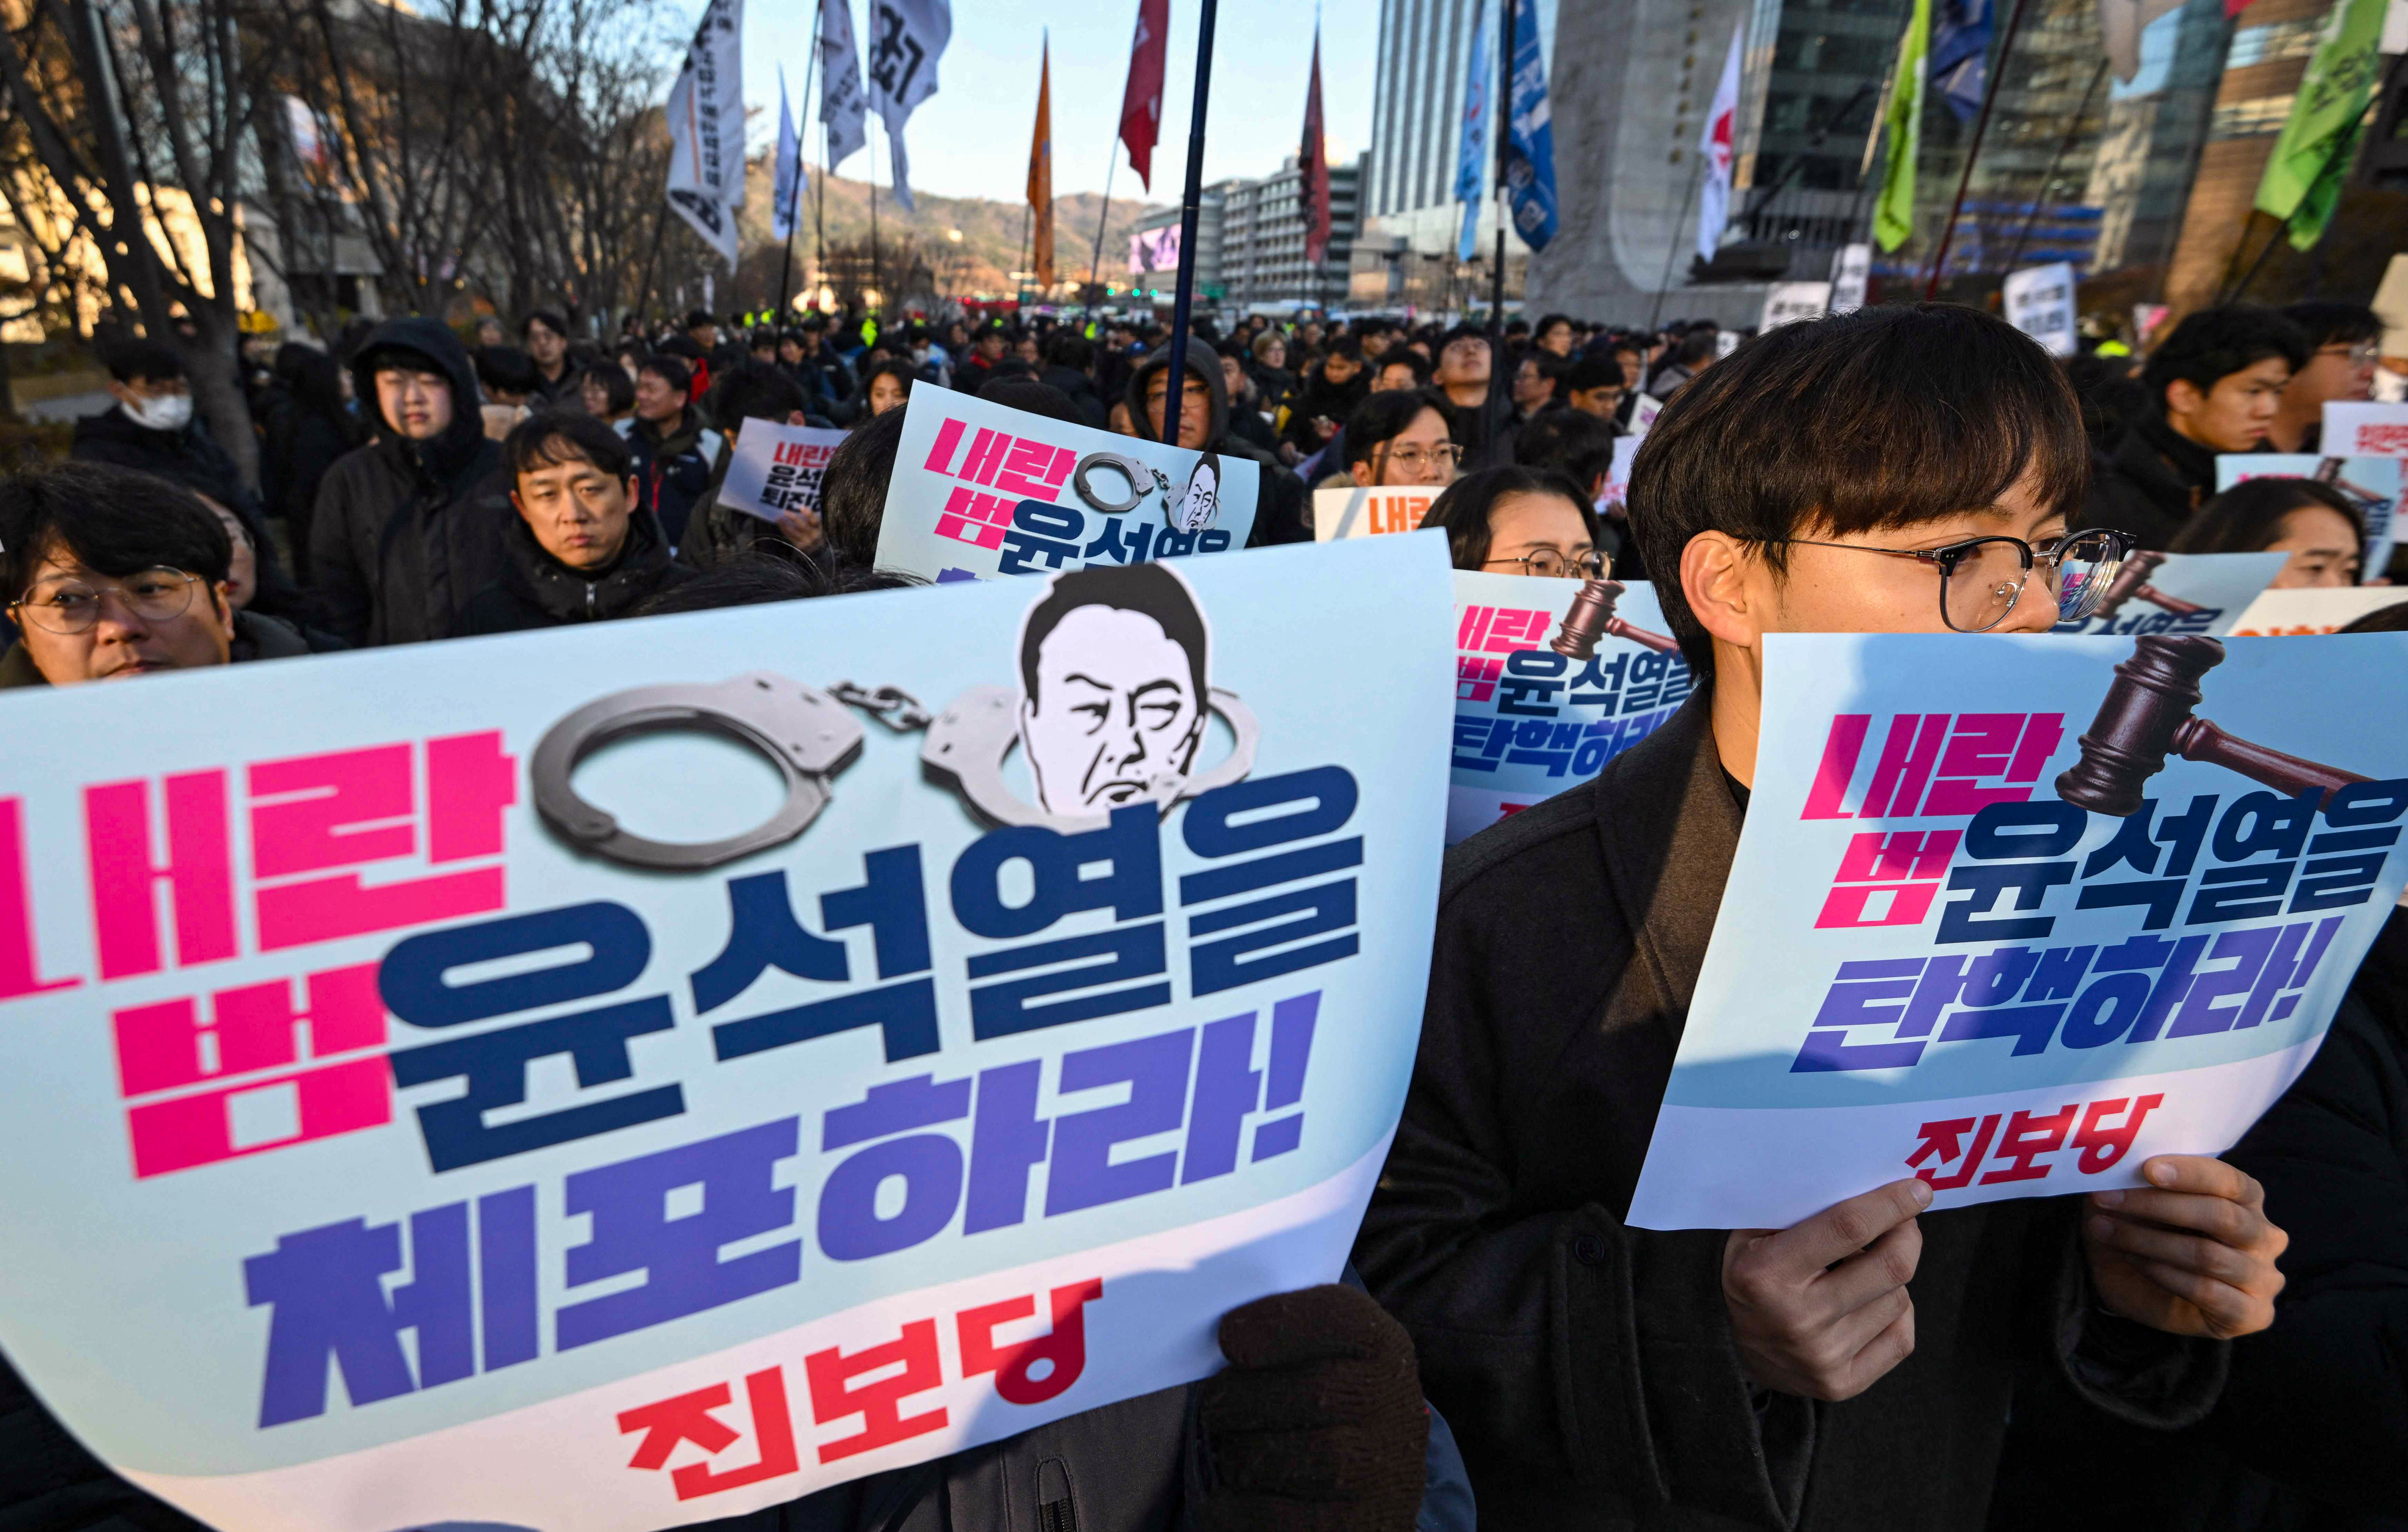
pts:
pixel 1318 1424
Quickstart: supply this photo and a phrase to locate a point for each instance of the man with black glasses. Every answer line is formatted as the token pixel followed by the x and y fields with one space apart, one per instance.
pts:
pixel 112 574
pixel 1896 470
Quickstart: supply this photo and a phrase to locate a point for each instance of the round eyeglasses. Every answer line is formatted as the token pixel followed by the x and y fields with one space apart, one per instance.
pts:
pixel 72 606
pixel 1549 565
pixel 1981 578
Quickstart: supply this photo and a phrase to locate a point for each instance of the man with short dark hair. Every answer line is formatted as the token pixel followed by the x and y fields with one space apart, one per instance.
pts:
pixel 676 451
pixel 1462 371
pixel 152 428
pixel 2215 385
pixel 110 574
pixel 2345 345
pixel 545 335
pixel 979 367
pixel 410 527
pixel 1593 386
pixel 581 549
pixel 1854 1370
pixel 1692 356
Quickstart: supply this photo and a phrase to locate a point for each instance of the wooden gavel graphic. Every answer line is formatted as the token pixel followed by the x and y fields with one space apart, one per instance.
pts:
pixel 2132 581
pixel 2147 716
pixel 1592 618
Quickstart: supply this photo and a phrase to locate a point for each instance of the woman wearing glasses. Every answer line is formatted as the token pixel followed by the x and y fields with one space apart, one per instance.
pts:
pixel 112 574
pixel 1519 520
pixel 1401 439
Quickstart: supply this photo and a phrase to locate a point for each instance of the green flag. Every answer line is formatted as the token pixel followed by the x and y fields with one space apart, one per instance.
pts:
pixel 1893 214
pixel 2303 176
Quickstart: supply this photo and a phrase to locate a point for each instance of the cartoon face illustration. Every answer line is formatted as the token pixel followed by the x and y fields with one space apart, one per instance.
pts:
pixel 1114 697
pixel 1200 506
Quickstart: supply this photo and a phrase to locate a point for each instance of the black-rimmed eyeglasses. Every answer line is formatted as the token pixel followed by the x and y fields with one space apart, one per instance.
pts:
pixel 1981 578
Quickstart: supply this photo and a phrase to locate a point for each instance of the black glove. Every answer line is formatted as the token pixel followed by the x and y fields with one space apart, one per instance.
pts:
pixel 1318 1424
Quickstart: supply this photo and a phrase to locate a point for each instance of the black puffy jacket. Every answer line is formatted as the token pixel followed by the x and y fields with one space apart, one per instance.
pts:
pixel 406 532
pixel 538 591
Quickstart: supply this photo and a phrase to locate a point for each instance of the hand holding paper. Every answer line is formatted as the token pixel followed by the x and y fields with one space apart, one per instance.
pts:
pixel 1820 1308
pixel 2191 1253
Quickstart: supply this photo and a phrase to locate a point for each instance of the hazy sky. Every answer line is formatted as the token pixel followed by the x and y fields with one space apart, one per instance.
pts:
pixel 972 138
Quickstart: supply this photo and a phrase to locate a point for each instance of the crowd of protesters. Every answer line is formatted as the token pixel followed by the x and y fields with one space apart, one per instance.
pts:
pixel 2223 1351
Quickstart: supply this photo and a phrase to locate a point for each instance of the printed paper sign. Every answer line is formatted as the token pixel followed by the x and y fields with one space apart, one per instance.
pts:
pixel 1617 479
pixel 2016 952
pixel 2039 301
pixel 981 491
pixel 778 469
pixel 1530 722
pixel 2303 613
pixel 1350 511
pixel 426 1096
pixel 1643 413
pixel 2179 592
pixel 2369 483
pixel 1852 267
pixel 1786 303
pixel 2357 429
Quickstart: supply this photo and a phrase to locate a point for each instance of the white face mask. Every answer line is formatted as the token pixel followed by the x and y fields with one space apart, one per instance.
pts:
pixel 168 412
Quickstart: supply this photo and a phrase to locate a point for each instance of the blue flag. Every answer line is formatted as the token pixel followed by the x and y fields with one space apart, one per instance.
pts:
pixel 1530 144
pixel 788 188
pixel 1472 164
pixel 1960 54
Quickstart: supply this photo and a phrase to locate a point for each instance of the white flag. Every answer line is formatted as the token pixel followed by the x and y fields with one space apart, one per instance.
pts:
pixel 1715 147
pixel 907 38
pixel 788 183
pixel 843 107
pixel 705 118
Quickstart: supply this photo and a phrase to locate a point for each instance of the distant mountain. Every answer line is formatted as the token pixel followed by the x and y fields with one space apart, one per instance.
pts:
pixel 990 247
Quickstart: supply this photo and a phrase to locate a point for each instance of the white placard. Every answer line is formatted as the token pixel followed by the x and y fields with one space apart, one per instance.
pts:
pixel 777 469
pixel 2354 429
pixel 2039 303
pixel 1788 302
pixel 2304 613
pixel 1349 510
pixel 1852 269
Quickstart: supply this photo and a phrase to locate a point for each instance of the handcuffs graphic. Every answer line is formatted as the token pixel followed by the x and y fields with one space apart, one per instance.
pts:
pixel 811 738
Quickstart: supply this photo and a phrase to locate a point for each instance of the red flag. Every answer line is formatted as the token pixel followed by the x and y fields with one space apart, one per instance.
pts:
pixel 1041 173
pixel 1141 102
pixel 1313 162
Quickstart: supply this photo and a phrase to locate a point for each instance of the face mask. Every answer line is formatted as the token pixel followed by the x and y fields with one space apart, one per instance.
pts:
pixel 168 412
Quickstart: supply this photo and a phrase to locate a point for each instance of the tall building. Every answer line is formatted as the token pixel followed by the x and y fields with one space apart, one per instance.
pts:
pixel 1249 243
pixel 1405 256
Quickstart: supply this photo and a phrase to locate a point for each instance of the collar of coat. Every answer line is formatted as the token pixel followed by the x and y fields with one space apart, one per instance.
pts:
pixel 1668 829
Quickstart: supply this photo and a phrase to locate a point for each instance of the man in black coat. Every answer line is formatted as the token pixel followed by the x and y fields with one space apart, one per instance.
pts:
pixel 581 549
pixel 150 428
pixel 408 527
pixel 1204 427
pixel 1853 1371
pixel 2214 386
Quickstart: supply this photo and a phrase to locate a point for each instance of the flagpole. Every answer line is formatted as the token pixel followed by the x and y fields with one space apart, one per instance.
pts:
pixel 1096 262
pixel 1972 150
pixel 1190 205
pixel 875 285
pixel 795 196
pixel 1664 285
pixel 1507 35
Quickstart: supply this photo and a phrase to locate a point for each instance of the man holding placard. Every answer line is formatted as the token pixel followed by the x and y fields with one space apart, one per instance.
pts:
pixel 1604 1373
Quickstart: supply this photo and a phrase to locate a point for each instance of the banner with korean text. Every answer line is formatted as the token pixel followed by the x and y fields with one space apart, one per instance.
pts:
pixel 979 491
pixel 630 1076
pixel 2012 914
pixel 1530 722
pixel 2179 594
pixel 777 469
pixel 1352 511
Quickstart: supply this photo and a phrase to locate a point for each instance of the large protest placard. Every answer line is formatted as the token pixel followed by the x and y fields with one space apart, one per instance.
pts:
pixel 777 469
pixel 1530 722
pixel 979 491
pixel 2017 951
pixel 2315 610
pixel 2039 301
pixel 1352 511
pixel 630 1076
pixel 2179 592
pixel 2371 484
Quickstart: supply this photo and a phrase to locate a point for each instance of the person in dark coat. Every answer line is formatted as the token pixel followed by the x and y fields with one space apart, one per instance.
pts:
pixel 1331 389
pixel 716 531
pixel 1204 427
pixel 1854 1371
pixel 581 549
pixel 1070 366
pixel 152 428
pixel 829 386
pixel 677 452
pixel 408 527
pixel 309 431
pixel 2214 386
pixel 545 336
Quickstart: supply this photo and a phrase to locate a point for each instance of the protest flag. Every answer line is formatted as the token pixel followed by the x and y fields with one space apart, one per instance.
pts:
pixel 1715 147
pixel 1894 213
pixel 788 182
pixel 1961 55
pixel 843 107
pixel 1141 98
pixel 2302 181
pixel 1470 172
pixel 1530 142
pixel 910 37
pixel 706 121
pixel 1041 170
pixel 1313 166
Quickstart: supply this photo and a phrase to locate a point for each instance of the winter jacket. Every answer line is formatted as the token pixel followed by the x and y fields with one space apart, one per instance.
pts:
pixel 302 444
pixel 829 387
pixel 2151 484
pixel 672 470
pixel 1588 1366
pixel 1081 390
pixel 1320 398
pixel 538 591
pixel 405 532
pixel 255 637
pixel 188 456
pixel 1280 501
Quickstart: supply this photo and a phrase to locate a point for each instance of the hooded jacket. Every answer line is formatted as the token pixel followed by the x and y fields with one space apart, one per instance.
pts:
pixel 406 532
pixel 538 591
pixel 1279 505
